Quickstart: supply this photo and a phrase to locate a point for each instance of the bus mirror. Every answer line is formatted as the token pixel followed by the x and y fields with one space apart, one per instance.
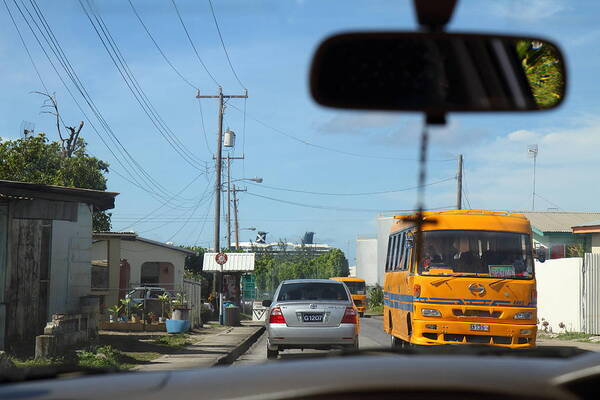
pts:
pixel 539 254
pixel 541 257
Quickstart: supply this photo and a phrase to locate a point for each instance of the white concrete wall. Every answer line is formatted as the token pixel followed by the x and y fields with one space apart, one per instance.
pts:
pixel 137 253
pixel 384 224
pixel 366 260
pixel 559 293
pixel 70 271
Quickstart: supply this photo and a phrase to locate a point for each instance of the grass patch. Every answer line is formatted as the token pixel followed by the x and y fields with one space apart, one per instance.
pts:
pixel 573 336
pixel 177 340
pixel 39 362
pixel 101 357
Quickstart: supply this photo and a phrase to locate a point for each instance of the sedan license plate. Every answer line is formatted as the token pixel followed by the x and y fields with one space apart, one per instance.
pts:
pixel 480 327
pixel 312 317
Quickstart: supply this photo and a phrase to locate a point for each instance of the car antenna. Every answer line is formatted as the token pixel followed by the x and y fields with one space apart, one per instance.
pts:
pixel 433 16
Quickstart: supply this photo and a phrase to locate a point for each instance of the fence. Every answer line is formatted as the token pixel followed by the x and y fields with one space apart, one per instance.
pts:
pixel 192 290
pixel 590 313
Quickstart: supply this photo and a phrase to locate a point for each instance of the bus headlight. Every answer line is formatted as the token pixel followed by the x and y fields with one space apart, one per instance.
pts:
pixel 430 312
pixel 524 315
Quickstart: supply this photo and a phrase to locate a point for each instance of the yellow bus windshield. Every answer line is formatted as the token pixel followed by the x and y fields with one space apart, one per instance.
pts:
pixel 356 287
pixel 477 253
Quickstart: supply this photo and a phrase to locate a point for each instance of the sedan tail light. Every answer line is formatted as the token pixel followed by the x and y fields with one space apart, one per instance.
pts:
pixel 349 316
pixel 276 316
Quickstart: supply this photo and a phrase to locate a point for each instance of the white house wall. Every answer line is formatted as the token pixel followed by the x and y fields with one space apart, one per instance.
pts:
pixel 70 273
pixel 559 294
pixel 137 253
pixel 366 260
pixel 384 224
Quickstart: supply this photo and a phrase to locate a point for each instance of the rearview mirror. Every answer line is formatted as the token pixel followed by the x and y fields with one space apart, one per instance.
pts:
pixel 437 72
pixel 267 303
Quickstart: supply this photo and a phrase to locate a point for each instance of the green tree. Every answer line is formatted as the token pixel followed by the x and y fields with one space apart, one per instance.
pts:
pixel 35 159
pixel 543 70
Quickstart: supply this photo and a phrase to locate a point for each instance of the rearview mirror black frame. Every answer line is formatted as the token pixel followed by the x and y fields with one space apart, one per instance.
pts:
pixel 437 73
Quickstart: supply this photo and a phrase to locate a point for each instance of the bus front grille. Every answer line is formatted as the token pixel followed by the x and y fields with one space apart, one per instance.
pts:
pixel 476 313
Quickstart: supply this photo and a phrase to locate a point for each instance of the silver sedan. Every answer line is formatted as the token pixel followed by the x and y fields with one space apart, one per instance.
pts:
pixel 311 314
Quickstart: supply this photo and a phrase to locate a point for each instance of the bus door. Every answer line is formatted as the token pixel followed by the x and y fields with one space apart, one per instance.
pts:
pixel 397 285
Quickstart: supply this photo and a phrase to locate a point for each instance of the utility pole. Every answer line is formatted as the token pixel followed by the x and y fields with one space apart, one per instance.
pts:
pixel 229 158
pixel 235 216
pixel 532 150
pixel 218 166
pixel 459 176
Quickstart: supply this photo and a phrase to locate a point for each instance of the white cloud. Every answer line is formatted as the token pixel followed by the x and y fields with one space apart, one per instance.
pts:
pixel 500 173
pixel 528 10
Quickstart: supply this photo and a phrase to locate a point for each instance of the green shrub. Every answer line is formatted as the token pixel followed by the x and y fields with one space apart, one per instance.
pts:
pixel 375 296
pixel 101 357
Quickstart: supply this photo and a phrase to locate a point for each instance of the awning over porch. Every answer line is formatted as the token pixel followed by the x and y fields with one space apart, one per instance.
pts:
pixel 236 262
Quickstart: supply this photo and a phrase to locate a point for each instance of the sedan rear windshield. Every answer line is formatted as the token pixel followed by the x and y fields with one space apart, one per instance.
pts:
pixel 311 291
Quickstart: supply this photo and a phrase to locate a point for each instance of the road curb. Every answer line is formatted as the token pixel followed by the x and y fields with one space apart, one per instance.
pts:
pixel 239 349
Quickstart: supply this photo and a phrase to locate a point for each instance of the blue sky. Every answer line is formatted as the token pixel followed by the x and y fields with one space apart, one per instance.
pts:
pixel 270 43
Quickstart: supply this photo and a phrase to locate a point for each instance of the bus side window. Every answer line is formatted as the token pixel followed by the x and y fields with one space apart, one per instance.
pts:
pixel 401 251
pixel 394 253
pixel 389 253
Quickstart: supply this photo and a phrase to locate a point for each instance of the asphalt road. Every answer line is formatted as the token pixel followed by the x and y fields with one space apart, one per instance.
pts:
pixel 371 335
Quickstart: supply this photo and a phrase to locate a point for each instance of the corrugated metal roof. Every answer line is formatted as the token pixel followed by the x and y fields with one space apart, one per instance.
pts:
pixel 591 223
pixel 236 262
pixel 558 221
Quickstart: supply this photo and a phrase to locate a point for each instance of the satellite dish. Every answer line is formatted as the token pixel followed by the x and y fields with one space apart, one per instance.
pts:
pixel 26 128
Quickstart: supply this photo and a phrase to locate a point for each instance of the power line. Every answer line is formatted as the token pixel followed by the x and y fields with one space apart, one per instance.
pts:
pixel 212 10
pixel 340 208
pixel 135 88
pixel 161 206
pixel 307 143
pixel 162 53
pixel 66 65
pixel 192 44
pixel 549 202
pixel 204 127
pixel 351 194
pixel 25 46
pixel 60 55
pixel 204 222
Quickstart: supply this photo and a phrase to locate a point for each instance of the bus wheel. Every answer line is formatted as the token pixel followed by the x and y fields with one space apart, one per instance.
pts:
pixel 397 343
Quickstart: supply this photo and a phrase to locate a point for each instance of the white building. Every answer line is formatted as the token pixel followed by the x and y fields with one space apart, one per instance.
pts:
pixel 372 250
pixel 141 262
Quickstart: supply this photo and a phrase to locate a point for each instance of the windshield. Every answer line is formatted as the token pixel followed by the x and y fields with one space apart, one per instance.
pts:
pixel 356 287
pixel 486 254
pixel 312 291
pixel 177 146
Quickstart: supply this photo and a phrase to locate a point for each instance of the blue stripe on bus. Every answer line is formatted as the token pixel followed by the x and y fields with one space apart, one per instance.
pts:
pixel 396 298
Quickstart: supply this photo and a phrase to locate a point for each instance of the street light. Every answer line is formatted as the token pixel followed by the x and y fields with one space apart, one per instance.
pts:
pixel 248 229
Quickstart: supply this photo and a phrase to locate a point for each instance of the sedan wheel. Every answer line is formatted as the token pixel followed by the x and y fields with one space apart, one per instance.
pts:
pixel 272 354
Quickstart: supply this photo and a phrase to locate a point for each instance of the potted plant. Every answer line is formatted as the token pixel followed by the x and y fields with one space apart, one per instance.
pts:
pixel 114 312
pixel 137 308
pixel 180 307
pixel 165 300
pixel 151 317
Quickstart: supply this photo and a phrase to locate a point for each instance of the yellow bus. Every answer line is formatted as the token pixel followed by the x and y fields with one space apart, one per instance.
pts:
pixel 474 284
pixel 358 290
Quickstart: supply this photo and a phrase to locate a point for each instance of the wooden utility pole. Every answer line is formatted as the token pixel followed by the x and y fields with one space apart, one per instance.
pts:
pixel 236 226
pixel 459 176
pixel 218 183
pixel 229 158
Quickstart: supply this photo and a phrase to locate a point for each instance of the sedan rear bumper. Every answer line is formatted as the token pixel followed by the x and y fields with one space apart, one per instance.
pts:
pixel 281 335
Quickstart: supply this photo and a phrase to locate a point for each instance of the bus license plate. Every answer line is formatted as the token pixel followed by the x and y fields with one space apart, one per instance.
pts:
pixel 480 327
pixel 312 317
